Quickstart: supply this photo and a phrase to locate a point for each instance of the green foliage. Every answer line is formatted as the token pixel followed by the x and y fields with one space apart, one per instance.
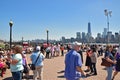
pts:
pixel 2 46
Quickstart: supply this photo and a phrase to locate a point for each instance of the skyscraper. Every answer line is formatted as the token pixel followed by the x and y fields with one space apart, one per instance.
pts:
pixel 89 29
pixel 78 35
pixel 83 37
pixel 105 32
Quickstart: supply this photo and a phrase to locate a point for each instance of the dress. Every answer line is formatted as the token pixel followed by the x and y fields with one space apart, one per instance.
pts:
pixel 88 60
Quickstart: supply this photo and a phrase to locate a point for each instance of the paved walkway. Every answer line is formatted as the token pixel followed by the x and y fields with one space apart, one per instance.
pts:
pixel 54 70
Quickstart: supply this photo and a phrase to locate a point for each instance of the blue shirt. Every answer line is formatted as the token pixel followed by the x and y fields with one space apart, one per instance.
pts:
pixel 40 59
pixel 109 54
pixel 72 59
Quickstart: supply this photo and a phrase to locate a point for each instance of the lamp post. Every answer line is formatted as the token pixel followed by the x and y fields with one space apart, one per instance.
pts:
pixel 47 36
pixel 22 41
pixel 108 14
pixel 10 24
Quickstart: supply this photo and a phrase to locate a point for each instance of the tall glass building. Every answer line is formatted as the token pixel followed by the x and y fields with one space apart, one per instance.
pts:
pixel 89 29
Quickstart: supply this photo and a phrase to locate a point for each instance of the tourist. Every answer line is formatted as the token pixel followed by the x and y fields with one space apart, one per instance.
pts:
pixel 73 64
pixel 52 50
pixel 110 58
pixel 88 60
pixel 81 53
pixel 117 65
pixel 25 65
pixel 39 64
pixel 16 66
pixel 48 52
pixel 93 57
pixel 62 50
pixel 57 49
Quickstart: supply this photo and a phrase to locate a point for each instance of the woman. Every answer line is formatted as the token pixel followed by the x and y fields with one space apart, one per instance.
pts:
pixel 117 66
pixel 25 65
pixel 16 63
pixel 110 58
pixel 88 60
pixel 93 57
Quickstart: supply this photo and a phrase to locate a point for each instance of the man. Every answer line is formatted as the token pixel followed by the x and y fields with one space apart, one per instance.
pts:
pixel 39 63
pixel 73 64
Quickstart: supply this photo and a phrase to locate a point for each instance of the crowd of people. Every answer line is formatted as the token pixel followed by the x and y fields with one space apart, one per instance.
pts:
pixel 16 60
pixel 75 72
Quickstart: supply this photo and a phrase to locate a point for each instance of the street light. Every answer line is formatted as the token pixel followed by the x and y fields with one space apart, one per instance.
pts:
pixel 108 14
pixel 22 41
pixel 10 24
pixel 47 36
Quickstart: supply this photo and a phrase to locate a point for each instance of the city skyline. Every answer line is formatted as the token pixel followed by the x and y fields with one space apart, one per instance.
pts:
pixel 31 19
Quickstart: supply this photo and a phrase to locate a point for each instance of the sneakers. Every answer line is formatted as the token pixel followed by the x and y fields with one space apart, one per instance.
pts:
pixel 91 73
pixel 95 74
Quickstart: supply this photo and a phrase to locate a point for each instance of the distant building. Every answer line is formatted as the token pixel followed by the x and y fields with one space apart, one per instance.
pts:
pixel 116 37
pixel 89 29
pixel 119 32
pixel 116 34
pixel 63 39
pixel 109 36
pixel 99 35
pixel 89 34
pixel 72 39
pixel 105 32
pixel 83 37
pixel 78 35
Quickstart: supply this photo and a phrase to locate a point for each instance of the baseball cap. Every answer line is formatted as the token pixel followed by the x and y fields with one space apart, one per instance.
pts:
pixel 38 48
pixel 74 44
pixel 77 43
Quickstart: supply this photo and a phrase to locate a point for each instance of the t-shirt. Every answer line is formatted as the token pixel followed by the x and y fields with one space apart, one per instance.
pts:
pixel 72 60
pixel 93 57
pixel 18 66
pixel 109 54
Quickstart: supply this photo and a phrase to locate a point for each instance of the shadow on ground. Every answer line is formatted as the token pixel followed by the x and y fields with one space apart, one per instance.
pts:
pixel 62 76
pixel 60 72
pixel 10 78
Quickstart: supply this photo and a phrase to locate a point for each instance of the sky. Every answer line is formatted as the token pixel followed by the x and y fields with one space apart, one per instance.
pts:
pixel 31 18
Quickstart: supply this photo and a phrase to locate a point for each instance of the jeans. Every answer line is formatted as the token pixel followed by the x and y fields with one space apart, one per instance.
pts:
pixel 17 75
pixel 39 71
pixel 93 68
pixel 109 72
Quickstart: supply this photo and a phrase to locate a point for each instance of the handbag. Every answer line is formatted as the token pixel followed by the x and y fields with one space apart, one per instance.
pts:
pixel 26 70
pixel 105 63
pixel 32 66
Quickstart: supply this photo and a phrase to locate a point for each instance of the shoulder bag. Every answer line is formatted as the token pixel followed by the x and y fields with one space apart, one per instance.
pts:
pixel 32 66
pixel 105 63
